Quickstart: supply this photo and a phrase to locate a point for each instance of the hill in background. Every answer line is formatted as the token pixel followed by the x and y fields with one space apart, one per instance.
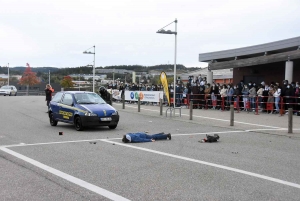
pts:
pixel 88 70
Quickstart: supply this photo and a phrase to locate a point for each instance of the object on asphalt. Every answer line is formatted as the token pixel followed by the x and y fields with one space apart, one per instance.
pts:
pixel 60 133
pixel 210 138
pixel 143 137
pixel 93 142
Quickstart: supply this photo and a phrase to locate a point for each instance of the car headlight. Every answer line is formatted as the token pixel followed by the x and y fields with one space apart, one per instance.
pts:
pixel 115 113
pixel 89 114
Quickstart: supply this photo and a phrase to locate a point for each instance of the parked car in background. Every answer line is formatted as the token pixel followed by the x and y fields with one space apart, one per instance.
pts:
pixel 8 90
pixel 82 109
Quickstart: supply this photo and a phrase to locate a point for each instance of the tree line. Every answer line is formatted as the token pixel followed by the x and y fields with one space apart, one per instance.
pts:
pixel 89 70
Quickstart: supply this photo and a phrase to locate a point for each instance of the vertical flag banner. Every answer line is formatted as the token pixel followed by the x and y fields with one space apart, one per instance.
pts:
pixel 164 82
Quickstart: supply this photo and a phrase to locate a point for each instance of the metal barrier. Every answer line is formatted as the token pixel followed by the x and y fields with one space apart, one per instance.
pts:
pixel 255 104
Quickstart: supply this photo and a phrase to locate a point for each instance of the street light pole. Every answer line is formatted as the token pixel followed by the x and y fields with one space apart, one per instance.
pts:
pixel 162 31
pixel 49 77
pixel 8 74
pixel 94 69
pixel 175 77
pixel 113 77
pixel 94 53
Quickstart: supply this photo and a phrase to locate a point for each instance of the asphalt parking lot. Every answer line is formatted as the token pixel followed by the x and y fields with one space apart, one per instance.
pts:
pixel 256 159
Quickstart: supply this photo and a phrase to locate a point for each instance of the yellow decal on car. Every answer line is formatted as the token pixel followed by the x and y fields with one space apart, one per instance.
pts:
pixel 65 115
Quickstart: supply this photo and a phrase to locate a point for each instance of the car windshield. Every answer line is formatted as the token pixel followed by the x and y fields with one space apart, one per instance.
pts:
pixel 88 98
pixel 5 87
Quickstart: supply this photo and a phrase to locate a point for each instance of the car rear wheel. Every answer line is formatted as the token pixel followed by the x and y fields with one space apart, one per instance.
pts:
pixel 113 127
pixel 78 124
pixel 52 121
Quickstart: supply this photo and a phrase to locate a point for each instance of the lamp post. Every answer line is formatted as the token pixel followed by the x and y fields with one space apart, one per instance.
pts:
pixel 49 77
pixel 113 77
pixel 8 74
pixel 94 53
pixel 162 31
pixel 90 66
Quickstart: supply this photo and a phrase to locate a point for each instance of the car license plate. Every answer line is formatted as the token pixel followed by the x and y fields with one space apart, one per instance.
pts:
pixel 105 119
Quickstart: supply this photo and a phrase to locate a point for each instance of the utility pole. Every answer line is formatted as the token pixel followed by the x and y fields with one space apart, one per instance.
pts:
pixel 8 74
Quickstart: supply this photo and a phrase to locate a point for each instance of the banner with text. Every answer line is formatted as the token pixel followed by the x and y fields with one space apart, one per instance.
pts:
pixel 149 96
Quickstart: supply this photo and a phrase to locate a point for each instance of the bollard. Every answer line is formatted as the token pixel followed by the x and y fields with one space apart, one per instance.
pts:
pixel 231 115
pixel 161 106
pixel 191 110
pixel 139 104
pixel 123 100
pixel 290 120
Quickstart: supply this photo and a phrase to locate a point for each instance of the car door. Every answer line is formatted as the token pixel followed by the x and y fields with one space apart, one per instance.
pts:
pixel 55 104
pixel 66 109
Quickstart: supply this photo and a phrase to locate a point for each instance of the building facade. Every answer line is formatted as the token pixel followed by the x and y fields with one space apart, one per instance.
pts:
pixel 275 61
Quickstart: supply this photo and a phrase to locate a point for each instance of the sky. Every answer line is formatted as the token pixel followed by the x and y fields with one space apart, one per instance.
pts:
pixel 54 33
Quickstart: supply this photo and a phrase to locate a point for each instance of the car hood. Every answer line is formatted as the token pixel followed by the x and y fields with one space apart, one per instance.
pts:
pixel 99 109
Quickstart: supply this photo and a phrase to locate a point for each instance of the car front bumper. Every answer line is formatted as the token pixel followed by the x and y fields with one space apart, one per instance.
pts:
pixel 95 121
pixel 4 93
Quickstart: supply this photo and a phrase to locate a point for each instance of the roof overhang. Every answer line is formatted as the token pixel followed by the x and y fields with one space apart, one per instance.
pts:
pixel 285 56
pixel 252 51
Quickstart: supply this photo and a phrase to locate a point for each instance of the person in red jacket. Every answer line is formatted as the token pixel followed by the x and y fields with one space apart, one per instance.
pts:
pixel 48 91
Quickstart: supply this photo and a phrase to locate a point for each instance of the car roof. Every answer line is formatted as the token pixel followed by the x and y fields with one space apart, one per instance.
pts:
pixel 76 92
pixel 8 86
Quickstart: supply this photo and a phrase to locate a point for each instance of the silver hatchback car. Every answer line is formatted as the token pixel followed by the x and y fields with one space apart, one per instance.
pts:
pixel 8 90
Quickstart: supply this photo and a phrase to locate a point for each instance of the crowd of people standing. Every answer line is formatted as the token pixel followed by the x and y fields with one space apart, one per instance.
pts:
pixel 265 97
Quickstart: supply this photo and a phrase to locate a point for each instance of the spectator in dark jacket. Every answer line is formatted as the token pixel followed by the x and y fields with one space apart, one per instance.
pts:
pixel 290 95
pixel 214 93
pixel 48 91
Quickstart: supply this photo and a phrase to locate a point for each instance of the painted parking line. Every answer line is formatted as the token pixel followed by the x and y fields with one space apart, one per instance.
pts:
pixel 90 140
pixel 209 164
pixel 216 119
pixel 67 177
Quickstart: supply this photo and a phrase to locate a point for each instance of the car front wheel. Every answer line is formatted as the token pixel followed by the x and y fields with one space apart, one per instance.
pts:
pixel 10 94
pixel 52 121
pixel 78 124
pixel 113 127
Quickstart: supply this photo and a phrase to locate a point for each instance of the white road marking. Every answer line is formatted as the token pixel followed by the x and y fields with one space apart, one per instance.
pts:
pixel 67 177
pixel 77 141
pixel 265 129
pixel 203 117
pixel 209 164
pixel 47 143
pixel 209 133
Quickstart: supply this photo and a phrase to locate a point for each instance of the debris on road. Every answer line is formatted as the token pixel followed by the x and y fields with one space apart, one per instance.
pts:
pixel 210 138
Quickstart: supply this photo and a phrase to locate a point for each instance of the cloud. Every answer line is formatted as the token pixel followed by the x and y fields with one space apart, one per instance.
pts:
pixel 57 32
